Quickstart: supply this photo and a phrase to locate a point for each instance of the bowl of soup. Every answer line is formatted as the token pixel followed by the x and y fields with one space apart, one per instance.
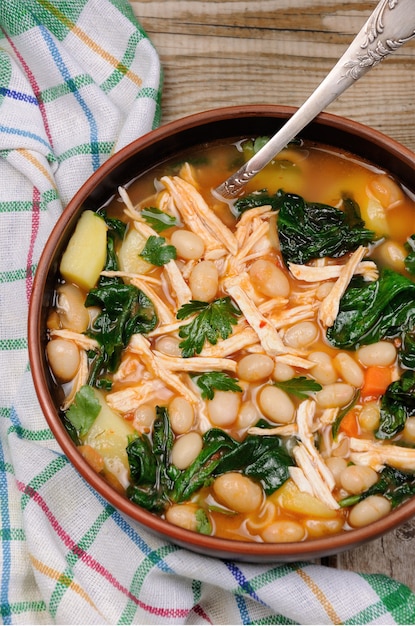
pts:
pixel 237 376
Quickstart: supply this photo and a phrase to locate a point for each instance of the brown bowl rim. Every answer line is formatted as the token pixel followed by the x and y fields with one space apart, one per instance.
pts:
pixel 209 546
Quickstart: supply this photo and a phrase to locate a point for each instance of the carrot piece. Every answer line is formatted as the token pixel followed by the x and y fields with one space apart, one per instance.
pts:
pixel 92 457
pixel 349 424
pixel 377 380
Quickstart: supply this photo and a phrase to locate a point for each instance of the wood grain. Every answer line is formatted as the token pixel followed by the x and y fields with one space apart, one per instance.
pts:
pixel 224 53
pixel 219 53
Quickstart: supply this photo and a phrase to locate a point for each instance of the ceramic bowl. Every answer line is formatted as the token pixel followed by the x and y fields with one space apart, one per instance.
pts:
pixel 137 157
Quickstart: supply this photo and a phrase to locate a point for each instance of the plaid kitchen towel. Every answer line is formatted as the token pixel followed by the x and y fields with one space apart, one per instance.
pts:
pixel 78 80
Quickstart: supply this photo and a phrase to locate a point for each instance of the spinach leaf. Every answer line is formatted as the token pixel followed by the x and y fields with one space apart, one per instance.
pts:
pixel 410 258
pixel 116 226
pixel 256 199
pixel 155 481
pixel 125 310
pixel 200 472
pixel 394 484
pixel 204 527
pixel 158 220
pixel 215 319
pixel 398 403
pixel 407 350
pixel 157 251
pixel 300 386
pixel 111 263
pixel 83 411
pixel 368 312
pixel 260 457
pixel 149 462
pixel 209 381
pixel 310 230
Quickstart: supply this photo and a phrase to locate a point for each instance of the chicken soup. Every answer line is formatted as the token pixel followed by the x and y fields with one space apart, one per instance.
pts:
pixel 245 369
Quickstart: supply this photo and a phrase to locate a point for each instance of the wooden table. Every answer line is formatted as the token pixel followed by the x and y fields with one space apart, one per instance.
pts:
pixel 219 53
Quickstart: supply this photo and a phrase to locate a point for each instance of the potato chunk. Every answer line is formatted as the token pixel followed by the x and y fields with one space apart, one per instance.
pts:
pixel 108 436
pixel 292 499
pixel 129 253
pixel 86 253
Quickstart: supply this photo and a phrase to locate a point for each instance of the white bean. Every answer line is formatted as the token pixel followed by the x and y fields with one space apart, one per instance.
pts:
pixel 349 369
pixel 269 279
pixel 224 407
pixel 254 367
pixel 409 430
pixel 357 478
pixel 369 416
pixel 369 510
pixel 323 370
pixel 185 449
pixel 392 254
pixel 248 415
pixel 323 527
pixel 204 281
pixel 64 358
pixel 168 345
pixel 301 335
pixel 324 289
pixel 276 405
pixel 188 245
pixel 238 492
pixel 337 394
pixel 282 371
pixel 283 531
pixel 381 353
pixel 183 515
pixel 386 190
pixel 336 465
pixel 144 417
pixel 181 415
pixel 71 309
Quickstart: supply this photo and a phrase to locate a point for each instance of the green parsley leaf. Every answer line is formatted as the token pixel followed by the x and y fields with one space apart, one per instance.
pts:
pixel 209 381
pixel 299 386
pixel 157 252
pixel 214 320
pixel 84 409
pixel 158 220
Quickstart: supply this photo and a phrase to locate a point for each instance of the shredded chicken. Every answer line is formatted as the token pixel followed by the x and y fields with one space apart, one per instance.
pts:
pixel 377 455
pixel 300 479
pixel 165 314
pixel 198 216
pixel 239 340
pixel 81 340
pixel 319 487
pixel 129 399
pixel 141 346
pixel 288 317
pixel 267 334
pixel 285 430
pixel 305 416
pixel 329 307
pixel 313 274
pixel 195 364
pixel 177 283
pixel 151 280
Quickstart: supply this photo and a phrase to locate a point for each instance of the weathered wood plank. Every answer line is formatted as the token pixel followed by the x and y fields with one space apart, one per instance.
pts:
pixel 224 53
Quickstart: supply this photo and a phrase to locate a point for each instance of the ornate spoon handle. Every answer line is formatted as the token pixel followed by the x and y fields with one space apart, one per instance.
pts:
pixel 391 24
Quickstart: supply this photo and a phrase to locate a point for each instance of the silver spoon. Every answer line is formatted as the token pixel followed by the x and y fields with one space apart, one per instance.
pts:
pixel 391 24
